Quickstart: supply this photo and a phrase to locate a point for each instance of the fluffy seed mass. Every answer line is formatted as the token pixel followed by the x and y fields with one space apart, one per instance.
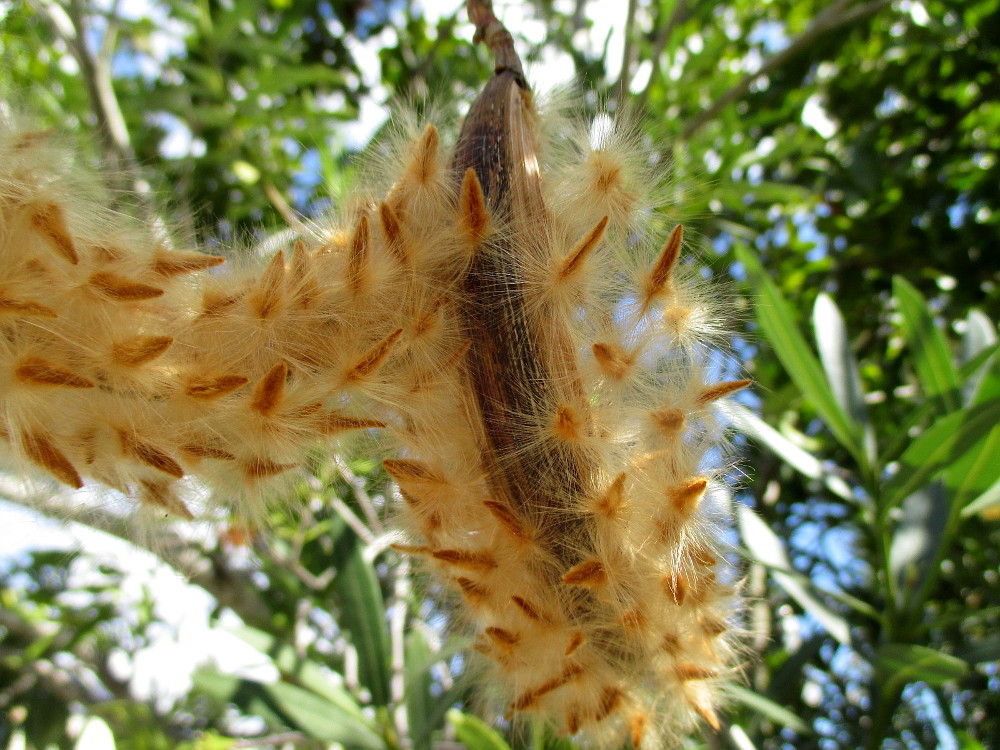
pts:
pixel 502 315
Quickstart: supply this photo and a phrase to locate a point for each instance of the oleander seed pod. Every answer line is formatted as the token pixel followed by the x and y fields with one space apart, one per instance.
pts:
pixel 546 398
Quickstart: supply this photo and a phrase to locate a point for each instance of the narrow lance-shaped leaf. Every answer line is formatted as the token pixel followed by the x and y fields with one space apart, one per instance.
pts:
pixel 929 349
pixel 417 690
pixel 768 549
pixel 841 367
pixel 320 719
pixel 916 539
pixel 776 318
pixel 903 663
pixel 937 448
pixel 474 733
pixel 987 501
pixel 362 614
pixel 766 707
pixel 799 459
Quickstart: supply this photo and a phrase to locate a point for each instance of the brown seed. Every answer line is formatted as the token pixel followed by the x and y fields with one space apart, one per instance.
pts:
pixel 670 421
pixel 719 390
pixel 357 268
pixel 405 471
pixel 659 277
pixel 269 296
pixel 685 497
pixel 687 671
pixel 261 468
pixel 713 628
pixel 609 700
pixel 703 556
pixel 173 264
pixel 474 592
pixel 270 390
pixel 613 360
pixel 473 214
pixel 671 644
pixel 567 424
pixel 530 610
pixel 393 233
pixel 676 587
pixel 140 350
pixel 150 455
pixel 216 303
pixel 463 558
pixel 634 622
pixel 50 222
pixel 502 636
pixel 429 319
pixel 44 453
pixel 161 494
pixel 529 697
pixel 636 729
pixel 332 423
pixel 25 307
pixel 613 500
pixel 589 573
pixel 207 389
pixel 575 641
pixel 38 371
pixel 374 357
pixel 120 289
pixel 574 261
pixel 508 519
pixel 425 159
pixel 573 721
pixel 201 450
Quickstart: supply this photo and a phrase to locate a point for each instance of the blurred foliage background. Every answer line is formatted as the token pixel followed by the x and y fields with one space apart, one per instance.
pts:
pixel 838 160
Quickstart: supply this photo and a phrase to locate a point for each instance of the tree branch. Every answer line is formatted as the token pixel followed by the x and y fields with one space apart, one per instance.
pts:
pixel 677 16
pixel 625 75
pixel 833 17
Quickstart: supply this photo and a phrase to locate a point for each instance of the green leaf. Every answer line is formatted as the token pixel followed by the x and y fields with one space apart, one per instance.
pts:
pixel 928 347
pixel 899 664
pixel 362 614
pixel 798 458
pixel 776 318
pixel 986 650
pixel 321 719
pixel 916 539
pixel 769 550
pixel 841 367
pixel 980 336
pixel 306 673
pixel 937 448
pixel 984 502
pixel 474 733
pixel 417 689
pixel 768 708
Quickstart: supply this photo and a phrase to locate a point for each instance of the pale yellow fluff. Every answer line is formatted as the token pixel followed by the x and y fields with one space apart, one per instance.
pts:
pixel 131 362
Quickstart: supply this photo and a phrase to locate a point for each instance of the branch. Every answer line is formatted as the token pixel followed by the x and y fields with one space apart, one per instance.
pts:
pixel 834 17
pixel 494 35
pixel 677 17
pixel 70 26
pixel 625 75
